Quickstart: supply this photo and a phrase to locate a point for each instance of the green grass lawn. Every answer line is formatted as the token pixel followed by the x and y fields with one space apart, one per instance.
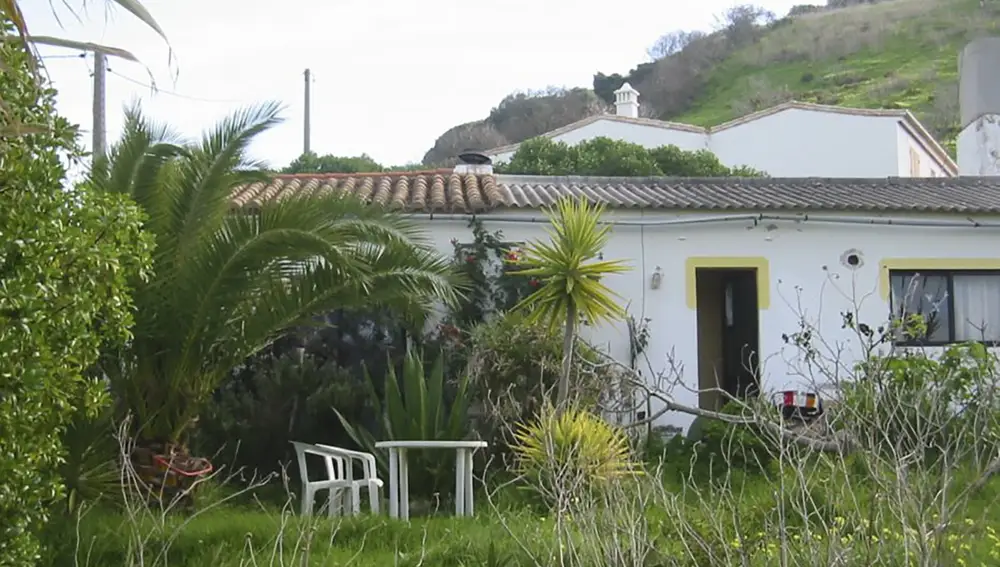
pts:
pixel 684 525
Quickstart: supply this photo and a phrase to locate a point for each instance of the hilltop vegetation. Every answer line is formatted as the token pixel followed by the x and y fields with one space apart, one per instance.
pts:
pixel 893 54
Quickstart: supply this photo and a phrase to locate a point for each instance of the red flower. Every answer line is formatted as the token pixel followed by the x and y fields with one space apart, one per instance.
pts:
pixel 534 282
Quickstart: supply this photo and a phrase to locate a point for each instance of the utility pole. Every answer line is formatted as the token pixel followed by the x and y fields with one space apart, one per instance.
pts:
pixel 100 81
pixel 305 130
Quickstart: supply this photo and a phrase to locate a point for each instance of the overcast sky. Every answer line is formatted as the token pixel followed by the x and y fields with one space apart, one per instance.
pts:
pixel 389 75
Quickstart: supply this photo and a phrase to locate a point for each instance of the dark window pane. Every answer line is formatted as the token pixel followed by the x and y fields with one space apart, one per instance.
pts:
pixel 924 294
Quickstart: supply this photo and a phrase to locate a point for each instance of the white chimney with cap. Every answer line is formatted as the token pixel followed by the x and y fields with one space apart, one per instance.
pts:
pixel 979 96
pixel 627 101
pixel 473 162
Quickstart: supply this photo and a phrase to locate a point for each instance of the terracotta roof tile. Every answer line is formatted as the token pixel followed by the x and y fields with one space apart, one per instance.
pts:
pixel 424 191
pixel 442 191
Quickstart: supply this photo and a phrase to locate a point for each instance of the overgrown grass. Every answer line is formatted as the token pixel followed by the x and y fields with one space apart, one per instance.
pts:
pixel 502 534
pixel 237 536
pixel 897 54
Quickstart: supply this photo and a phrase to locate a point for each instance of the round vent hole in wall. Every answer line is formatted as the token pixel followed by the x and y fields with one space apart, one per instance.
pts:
pixel 852 259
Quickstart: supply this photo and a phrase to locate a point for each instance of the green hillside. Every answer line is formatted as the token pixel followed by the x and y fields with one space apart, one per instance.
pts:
pixel 894 54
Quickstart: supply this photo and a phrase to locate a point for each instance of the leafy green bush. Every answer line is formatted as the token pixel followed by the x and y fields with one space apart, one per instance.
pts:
pixel 604 156
pixel 513 368
pixel 67 257
pixel 913 403
pixel 713 447
pixel 279 399
pixel 570 450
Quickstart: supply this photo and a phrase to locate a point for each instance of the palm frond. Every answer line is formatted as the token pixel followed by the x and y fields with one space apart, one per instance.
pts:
pixel 136 8
pixel 200 199
pixel 80 46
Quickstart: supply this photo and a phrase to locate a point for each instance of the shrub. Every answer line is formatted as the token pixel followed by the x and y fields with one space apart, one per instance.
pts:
pixel 720 446
pixel 278 399
pixel 513 368
pixel 90 469
pixel 289 390
pixel 573 449
pixel 916 404
pixel 67 257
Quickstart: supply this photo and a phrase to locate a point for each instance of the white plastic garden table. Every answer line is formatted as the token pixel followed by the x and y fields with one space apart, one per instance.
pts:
pixel 399 484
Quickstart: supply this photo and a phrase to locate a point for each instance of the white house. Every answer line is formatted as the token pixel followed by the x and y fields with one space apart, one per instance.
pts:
pixel 793 139
pixel 725 269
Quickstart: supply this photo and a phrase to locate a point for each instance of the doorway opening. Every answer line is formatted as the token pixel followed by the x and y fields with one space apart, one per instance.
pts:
pixel 728 334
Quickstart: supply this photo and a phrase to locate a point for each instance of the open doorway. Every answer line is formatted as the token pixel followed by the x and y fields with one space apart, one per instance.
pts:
pixel 728 334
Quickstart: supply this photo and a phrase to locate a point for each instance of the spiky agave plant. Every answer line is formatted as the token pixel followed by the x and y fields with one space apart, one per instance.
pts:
pixel 417 406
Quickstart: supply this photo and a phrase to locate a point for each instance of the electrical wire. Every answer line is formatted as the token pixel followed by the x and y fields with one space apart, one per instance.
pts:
pixel 158 90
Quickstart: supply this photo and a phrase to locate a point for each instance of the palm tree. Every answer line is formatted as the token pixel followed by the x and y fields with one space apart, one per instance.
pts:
pixel 226 284
pixel 11 11
pixel 570 268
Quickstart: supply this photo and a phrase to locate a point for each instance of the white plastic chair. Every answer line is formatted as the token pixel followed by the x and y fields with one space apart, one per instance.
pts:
pixel 369 477
pixel 340 476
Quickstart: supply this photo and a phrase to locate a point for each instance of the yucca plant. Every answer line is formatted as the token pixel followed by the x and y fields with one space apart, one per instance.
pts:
pixel 419 409
pixel 570 269
pixel 571 448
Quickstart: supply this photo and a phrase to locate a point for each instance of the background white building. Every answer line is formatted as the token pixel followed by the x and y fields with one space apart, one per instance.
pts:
pixel 793 139
pixel 727 270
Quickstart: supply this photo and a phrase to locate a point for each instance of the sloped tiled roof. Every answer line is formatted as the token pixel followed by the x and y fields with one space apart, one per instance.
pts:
pixel 439 190
pixel 944 194
pixel 442 191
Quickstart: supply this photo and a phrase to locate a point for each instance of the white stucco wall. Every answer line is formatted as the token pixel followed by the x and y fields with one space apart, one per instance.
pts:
pixel 928 164
pixel 646 136
pixel 807 143
pixel 807 281
pixel 979 146
pixel 791 143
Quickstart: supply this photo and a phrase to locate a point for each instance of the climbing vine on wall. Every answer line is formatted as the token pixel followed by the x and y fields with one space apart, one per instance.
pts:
pixel 487 262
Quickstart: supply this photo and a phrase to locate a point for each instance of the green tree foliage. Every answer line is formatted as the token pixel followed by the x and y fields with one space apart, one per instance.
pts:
pixel 228 284
pixel 364 163
pixel 312 163
pixel 606 157
pixel 67 256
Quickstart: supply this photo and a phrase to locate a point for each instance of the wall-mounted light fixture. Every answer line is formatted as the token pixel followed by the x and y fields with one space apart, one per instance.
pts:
pixel 656 279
